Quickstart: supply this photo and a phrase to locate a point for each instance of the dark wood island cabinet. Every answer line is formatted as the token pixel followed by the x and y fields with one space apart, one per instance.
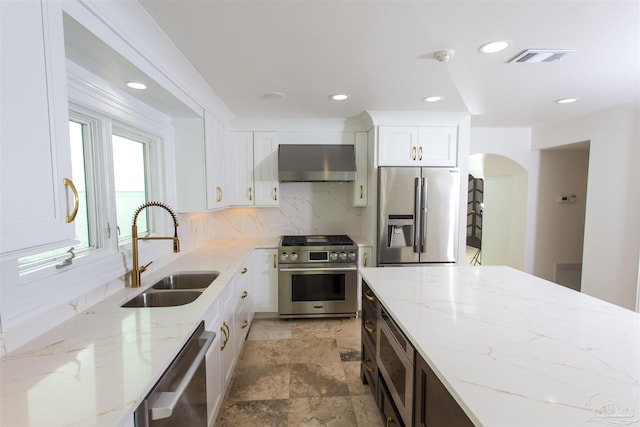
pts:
pixel 425 401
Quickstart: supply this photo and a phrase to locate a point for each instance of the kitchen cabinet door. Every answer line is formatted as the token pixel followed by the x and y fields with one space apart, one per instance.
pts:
pixel 397 145
pixel 199 159
pixel 265 163
pixel 226 327
pixel 437 146
pixel 35 203
pixel 433 404
pixel 240 171
pixel 360 187
pixel 265 286
pixel 215 163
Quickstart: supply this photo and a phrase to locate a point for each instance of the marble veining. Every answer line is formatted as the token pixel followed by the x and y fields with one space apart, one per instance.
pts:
pixel 93 369
pixel 516 350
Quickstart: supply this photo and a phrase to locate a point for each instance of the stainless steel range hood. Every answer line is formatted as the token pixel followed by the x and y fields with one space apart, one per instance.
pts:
pixel 299 162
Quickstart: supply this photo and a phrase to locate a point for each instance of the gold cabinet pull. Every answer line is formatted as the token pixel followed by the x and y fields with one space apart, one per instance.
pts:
pixel 76 200
pixel 250 193
pixel 390 421
pixel 368 295
pixel 362 191
pixel 364 262
pixel 275 261
pixel 218 194
pixel 413 153
pixel 226 335
pixel 245 324
pixel 244 270
pixel 367 367
pixel 368 326
pixel 275 193
pixel 420 153
pixel 244 294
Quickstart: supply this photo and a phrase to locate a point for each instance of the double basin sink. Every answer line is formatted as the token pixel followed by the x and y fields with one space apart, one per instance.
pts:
pixel 174 290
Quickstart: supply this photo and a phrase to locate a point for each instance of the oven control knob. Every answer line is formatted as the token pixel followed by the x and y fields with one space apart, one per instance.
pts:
pixel 352 256
pixel 343 256
pixel 294 256
pixel 333 256
pixel 284 256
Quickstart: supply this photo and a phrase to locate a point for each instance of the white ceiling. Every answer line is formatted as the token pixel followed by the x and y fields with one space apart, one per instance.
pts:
pixel 381 53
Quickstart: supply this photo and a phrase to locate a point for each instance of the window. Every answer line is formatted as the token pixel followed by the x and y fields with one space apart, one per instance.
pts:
pixel 130 182
pixel 113 177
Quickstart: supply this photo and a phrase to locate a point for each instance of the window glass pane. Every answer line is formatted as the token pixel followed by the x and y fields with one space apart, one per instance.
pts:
pixel 76 133
pixel 130 183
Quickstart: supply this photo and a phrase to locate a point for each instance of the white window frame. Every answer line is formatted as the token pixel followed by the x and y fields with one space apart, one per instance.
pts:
pixel 34 294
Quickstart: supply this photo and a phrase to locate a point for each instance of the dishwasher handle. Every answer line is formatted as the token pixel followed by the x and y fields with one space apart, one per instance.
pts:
pixel 166 402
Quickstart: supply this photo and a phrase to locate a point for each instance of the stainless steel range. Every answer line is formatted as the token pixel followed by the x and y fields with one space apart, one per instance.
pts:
pixel 317 276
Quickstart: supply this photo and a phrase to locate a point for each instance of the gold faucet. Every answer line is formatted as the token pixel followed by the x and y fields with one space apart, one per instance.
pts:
pixel 137 270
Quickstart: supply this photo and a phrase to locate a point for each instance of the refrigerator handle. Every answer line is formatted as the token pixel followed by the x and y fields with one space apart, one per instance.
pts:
pixel 423 214
pixel 416 215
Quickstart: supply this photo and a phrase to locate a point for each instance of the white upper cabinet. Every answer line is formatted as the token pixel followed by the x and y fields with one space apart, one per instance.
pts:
pixel 254 163
pixel 265 160
pixel 36 206
pixel 417 146
pixel 200 164
pixel 360 187
pixel 241 168
pixel 437 146
pixel 215 155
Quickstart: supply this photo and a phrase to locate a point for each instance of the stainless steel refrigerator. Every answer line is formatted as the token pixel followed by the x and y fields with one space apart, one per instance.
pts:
pixel 417 215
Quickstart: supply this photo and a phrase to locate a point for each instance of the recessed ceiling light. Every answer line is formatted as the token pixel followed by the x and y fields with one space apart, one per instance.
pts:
pixel 339 97
pixel 273 96
pixel 494 47
pixel 433 99
pixel 565 100
pixel 137 85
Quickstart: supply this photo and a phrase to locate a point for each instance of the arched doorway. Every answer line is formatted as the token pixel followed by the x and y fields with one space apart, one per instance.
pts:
pixel 503 210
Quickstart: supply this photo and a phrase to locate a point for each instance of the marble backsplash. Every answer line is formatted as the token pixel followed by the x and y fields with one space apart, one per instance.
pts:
pixel 305 208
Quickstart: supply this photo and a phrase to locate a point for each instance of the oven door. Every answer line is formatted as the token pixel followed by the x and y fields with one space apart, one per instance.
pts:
pixel 305 291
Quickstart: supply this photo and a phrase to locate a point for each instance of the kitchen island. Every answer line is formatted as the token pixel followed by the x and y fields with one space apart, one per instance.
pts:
pixel 513 349
pixel 94 369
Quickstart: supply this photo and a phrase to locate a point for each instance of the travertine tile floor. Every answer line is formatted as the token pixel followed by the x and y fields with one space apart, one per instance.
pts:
pixel 302 372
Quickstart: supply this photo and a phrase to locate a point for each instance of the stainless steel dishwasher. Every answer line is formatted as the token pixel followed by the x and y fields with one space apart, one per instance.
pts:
pixel 179 398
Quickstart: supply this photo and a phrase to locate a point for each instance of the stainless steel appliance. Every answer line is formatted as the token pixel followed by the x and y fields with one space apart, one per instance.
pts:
pixel 317 276
pixel 179 398
pixel 417 215
pixel 395 360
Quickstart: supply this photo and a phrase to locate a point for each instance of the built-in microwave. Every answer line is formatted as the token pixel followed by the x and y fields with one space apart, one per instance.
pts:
pixel 396 358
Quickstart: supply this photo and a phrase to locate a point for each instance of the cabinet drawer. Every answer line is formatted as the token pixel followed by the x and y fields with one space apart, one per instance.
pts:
pixel 369 313
pixel 389 412
pixel 369 367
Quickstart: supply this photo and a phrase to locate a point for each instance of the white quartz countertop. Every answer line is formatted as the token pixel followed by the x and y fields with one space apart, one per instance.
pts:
pixel 516 350
pixel 94 369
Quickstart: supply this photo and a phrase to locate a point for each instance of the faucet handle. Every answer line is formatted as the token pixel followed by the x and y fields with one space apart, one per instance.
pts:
pixel 144 267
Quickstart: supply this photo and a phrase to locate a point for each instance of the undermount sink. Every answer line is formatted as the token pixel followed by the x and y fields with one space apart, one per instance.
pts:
pixel 187 280
pixel 151 298
pixel 173 290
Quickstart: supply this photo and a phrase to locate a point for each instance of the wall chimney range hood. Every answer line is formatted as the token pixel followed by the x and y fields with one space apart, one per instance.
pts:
pixel 300 162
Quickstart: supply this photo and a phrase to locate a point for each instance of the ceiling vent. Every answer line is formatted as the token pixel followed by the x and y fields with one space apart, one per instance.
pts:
pixel 540 55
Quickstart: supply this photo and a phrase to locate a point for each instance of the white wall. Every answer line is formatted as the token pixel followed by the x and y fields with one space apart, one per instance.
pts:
pixel 612 228
pixel 560 225
pixel 504 220
pixel 514 143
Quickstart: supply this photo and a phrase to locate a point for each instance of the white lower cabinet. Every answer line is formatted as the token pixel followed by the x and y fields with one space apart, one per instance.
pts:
pixel 244 303
pixel 229 317
pixel 265 286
